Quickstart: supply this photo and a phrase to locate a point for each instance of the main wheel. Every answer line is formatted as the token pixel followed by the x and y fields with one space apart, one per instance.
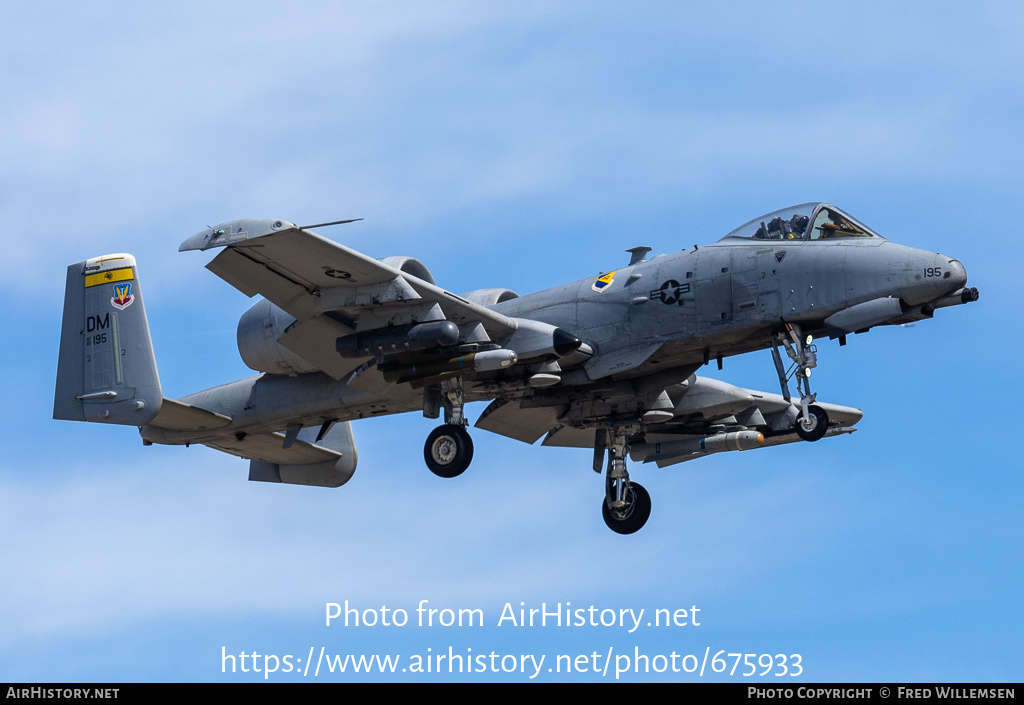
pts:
pixel 816 429
pixel 448 450
pixel 633 516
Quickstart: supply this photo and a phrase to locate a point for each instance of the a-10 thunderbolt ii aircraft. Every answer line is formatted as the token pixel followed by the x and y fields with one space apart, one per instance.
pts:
pixel 606 363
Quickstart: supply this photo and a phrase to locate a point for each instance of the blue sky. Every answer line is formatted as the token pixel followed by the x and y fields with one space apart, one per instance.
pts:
pixel 515 146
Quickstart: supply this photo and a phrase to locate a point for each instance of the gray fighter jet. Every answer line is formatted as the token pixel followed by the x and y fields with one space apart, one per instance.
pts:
pixel 606 363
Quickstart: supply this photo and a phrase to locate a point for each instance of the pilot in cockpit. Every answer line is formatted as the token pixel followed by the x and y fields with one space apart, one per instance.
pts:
pixel 798 224
pixel 779 229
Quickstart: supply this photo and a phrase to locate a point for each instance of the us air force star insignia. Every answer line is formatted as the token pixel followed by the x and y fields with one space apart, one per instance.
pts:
pixel 337 274
pixel 671 292
pixel 603 282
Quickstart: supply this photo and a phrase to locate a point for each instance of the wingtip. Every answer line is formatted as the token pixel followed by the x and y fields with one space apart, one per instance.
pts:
pixel 235 231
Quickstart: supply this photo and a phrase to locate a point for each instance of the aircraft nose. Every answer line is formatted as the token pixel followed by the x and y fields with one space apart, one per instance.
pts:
pixel 932 276
pixel 956 274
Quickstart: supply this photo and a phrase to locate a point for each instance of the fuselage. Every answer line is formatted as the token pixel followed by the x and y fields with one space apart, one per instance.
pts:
pixel 729 297
pixel 808 265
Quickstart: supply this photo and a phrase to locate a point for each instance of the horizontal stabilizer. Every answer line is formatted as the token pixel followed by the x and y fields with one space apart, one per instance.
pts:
pixel 269 447
pixel 330 462
pixel 179 416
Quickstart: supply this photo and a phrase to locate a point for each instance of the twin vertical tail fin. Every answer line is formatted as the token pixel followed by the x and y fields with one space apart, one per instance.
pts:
pixel 106 371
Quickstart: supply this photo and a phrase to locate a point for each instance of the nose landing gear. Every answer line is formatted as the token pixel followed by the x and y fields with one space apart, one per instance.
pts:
pixel 812 423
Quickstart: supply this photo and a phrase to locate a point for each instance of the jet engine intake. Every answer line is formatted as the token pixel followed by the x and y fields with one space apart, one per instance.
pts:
pixel 409 265
pixel 490 297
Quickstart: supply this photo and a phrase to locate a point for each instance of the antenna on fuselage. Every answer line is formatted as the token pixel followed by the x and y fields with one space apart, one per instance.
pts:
pixel 637 254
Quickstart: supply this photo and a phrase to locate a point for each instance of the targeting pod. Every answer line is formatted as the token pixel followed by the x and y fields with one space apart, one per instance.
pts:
pixel 400 339
pixel 721 442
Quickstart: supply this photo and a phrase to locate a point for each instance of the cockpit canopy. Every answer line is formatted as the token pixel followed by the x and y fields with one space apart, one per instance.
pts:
pixel 810 221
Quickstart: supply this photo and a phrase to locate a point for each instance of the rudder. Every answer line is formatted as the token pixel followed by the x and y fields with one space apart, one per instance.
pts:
pixel 106 371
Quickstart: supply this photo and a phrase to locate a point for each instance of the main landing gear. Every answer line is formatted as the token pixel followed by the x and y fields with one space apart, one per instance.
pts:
pixel 812 423
pixel 627 505
pixel 632 515
pixel 449 448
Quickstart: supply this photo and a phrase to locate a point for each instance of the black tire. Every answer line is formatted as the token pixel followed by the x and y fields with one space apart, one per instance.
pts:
pixel 817 430
pixel 448 450
pixel 634 516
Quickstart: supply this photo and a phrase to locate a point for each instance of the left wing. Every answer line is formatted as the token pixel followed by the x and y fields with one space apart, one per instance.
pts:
pixel 701 416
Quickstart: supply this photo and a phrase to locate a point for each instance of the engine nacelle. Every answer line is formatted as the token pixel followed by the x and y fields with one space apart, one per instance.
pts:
pixel 490 297
pixel 261 326
pixel 409 265
pixel 258 331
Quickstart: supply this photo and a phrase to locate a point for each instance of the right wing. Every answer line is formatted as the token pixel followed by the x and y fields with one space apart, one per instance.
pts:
pixel 332 290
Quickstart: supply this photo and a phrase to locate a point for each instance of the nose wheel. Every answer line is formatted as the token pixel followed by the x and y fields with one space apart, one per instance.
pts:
pixel 812 422
pixel 633 513
pixel 813 427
